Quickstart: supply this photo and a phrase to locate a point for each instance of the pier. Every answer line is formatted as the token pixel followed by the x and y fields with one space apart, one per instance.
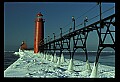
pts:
pixel 31 65
pixel 43 62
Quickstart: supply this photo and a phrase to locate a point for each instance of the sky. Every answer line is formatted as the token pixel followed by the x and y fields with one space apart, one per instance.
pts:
pixel 19 20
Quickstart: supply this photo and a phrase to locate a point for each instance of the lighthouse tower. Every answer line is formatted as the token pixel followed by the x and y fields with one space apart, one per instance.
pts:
pixel 39 33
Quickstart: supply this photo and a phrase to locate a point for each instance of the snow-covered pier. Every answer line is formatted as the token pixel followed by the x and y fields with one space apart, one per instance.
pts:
pixel 31 65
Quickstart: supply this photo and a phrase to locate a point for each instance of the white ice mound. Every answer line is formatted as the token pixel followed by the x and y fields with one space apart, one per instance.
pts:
pixel 55 58
pixel 44 56
pixel 62 58
pixel 48 56
pixel 94 71
pixel 87 66
pixel 70 66
pixel 52 59
pixel 58 62
pixel 16 53
pixel 20 50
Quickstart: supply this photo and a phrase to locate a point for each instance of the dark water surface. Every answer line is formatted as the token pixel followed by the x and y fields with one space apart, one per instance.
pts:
pixel 9 58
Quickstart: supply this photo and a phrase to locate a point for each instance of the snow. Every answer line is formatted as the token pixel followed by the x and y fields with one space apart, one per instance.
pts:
pixel 39 65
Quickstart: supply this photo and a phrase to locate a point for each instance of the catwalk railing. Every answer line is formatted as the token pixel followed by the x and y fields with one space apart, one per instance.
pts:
pixel 80 35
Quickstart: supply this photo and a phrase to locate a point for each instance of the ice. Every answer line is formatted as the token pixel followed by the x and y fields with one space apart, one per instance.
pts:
pixel 32 65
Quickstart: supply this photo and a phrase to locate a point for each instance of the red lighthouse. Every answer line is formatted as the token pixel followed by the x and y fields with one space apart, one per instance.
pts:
pixel 39 33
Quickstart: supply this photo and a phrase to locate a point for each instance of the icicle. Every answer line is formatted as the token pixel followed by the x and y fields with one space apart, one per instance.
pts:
pixel 19 50
pixel 44 56
pixel 88 66
pixel 52 58
pixel 55 58
pixel 48 57
pixel 58 62
pixel 70 67
pixel 62 58
pixel 41 55
pixel 94 71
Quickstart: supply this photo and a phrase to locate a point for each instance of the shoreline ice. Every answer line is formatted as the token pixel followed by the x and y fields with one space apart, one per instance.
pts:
pixel 32 65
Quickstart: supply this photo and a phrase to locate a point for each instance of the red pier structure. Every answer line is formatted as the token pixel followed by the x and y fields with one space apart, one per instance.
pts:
pixel 39 33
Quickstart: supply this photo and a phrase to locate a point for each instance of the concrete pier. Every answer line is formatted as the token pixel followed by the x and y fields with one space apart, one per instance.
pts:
pixel 33 65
